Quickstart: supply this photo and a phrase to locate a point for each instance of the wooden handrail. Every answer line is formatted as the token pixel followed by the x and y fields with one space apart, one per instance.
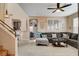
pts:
pixel 6 24
pixel 9 28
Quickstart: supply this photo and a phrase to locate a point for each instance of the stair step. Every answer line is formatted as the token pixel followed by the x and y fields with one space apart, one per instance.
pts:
pixel 3 52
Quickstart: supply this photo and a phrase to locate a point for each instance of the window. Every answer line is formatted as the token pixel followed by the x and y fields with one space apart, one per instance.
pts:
pixel 75 25
pixel 56 25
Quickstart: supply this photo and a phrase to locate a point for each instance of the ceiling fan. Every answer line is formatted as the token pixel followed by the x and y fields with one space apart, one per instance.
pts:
pixel 59 8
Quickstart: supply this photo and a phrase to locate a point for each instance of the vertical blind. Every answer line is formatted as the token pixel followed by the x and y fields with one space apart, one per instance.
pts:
pixel 56 25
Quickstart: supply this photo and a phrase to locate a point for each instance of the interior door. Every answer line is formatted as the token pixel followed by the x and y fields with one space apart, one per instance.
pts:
pixel 16 25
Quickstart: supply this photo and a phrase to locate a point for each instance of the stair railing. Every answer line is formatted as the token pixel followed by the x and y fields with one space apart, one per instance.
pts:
pixel 7 27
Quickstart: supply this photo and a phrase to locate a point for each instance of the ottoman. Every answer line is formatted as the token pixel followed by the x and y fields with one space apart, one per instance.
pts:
pixel 42 41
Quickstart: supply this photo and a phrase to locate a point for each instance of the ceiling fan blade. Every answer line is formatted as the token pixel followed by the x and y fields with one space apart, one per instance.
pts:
pixel 66 5
pixel 61 9
pixel 54 11
pixel 51 8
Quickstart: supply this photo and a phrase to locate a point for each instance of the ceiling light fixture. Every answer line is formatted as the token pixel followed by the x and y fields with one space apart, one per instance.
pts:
pixel 6 14
pixel 58 10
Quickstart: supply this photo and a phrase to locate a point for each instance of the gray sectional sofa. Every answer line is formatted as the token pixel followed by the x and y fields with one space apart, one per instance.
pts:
pixel 69 38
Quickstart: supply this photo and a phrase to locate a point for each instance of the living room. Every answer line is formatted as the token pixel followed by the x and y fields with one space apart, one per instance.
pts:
pixel 52 27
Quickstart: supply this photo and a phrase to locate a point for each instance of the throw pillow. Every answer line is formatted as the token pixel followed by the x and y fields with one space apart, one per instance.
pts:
pixel 54 36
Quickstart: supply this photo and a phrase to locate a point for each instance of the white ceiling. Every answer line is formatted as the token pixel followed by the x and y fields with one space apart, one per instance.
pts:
pixel 40 9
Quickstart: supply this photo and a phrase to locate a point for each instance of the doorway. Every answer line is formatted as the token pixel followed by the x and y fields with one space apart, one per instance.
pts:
pixel 16 25
pixel 17 28
pixel 33 24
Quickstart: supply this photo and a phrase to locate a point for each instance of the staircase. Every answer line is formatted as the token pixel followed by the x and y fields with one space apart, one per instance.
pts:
pixel 7 40
pixel 3 52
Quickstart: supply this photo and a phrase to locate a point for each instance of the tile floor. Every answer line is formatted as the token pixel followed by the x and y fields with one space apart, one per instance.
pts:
pixel 29 48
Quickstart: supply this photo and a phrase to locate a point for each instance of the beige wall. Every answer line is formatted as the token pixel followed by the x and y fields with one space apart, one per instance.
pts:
pixel 43 22
pixel 2 11
pixel 16 12
pixel 70 22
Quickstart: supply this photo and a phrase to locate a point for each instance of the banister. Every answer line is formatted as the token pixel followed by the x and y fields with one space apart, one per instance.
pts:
pixel 4 25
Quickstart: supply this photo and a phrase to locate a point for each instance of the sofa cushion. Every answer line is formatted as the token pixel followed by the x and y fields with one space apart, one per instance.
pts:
pixel 44 36
pixel 65 36
pixel 37 34
pixel 54 36
pixel 59 35
pixel 70 35
pixel 49 36
pixel 74 36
